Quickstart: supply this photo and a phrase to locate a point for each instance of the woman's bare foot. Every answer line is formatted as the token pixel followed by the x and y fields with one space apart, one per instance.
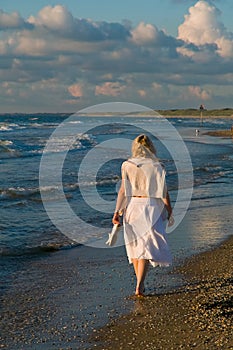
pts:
pixel 138 293
pixel 140 290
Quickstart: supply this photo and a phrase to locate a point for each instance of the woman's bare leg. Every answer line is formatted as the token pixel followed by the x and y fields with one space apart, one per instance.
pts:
pixel 135 265
pixel 142 268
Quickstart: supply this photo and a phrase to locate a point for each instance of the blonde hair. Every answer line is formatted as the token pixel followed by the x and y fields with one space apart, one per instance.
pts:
pixel 142 146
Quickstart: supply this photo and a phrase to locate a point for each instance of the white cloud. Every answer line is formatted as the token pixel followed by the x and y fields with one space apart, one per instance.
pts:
pixel 201 94
pixel 109 89
pixel 54 18
pixel 47 54
pixel 76 90
pixel 202 26
pixel 225 46
pixel 156 86
pixel 58 20
pixel 141 92
pixel 144 33
pixel 3 47
pixel 29 45
pixel 12 20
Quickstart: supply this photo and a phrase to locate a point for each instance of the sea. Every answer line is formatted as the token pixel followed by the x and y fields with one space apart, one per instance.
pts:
pixel 86 188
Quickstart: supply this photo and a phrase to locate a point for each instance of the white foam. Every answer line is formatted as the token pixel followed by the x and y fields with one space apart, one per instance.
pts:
pixel 75 122
pixel 5 128
pixel 5 143
pixel 65 144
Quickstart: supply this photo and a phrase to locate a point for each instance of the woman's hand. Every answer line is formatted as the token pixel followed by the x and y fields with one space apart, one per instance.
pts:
pixel 116 219
pixel 169 213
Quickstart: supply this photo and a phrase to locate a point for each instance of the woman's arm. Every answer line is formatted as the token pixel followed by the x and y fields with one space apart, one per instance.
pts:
pixel 119 204
pixel 167 204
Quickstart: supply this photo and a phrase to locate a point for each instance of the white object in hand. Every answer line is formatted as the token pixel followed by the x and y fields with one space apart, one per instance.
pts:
pixel 112 237
pixel 171 221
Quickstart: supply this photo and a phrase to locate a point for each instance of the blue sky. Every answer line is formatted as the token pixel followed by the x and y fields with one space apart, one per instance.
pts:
pixel 166 14
pixel 162 54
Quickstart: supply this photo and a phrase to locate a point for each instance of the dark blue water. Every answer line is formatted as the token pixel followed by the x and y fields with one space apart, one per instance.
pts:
pixel 25 227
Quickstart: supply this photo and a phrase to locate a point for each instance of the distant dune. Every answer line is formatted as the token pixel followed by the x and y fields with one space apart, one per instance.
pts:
pixel 172 113
pixel 212 113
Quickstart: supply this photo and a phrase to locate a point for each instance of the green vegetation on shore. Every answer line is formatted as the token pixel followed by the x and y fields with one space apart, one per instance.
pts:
pixel 189 112
pixel 225 112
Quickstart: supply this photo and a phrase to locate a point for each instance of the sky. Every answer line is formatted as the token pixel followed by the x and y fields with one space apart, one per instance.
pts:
pixel 65 56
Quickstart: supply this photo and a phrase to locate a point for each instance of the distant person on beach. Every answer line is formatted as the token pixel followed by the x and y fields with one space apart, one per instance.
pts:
pixel 144 200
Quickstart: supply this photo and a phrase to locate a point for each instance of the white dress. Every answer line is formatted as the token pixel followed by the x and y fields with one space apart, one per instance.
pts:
pixel 144 227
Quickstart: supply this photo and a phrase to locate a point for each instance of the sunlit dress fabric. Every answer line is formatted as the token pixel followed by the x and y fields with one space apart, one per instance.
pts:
pixel 144 224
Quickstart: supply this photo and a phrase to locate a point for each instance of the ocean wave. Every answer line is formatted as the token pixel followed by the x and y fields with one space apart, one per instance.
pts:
pixel 5 142
pixel 5 128
pixel 75 122
pixel 217 121
pixel 22 192
pixel 6 149
pixel 57 145
pixel 210 174
pixel 53 190
pixel 36 125
pixel 214 171
pixel 11 126
pixel 44 247
pixel 43 125
pixel 103 182
pixel 48 188
pixel 18 192
pixel 226 173
pixel 209 168
pixel 37 146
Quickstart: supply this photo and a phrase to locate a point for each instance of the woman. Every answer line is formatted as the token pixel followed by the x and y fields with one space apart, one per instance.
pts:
pixel 142 197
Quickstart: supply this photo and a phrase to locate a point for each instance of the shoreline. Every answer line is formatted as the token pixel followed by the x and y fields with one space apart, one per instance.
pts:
pixel 198 315
pixel 150 113
pixel 158 115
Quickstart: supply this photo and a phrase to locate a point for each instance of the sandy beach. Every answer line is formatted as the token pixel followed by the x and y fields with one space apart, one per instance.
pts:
pixel 197 316
pixel 45 307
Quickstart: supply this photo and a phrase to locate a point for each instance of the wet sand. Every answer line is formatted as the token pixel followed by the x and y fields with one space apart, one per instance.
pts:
pixel 61 301
pixel 196 316
pixel 56 300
